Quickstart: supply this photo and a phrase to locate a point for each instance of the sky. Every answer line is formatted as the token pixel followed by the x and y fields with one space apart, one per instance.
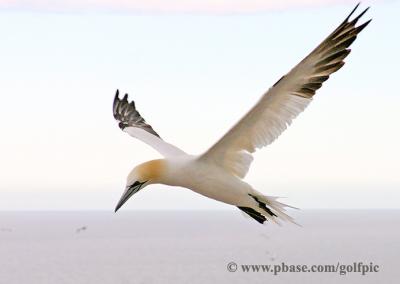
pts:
pixel 193 68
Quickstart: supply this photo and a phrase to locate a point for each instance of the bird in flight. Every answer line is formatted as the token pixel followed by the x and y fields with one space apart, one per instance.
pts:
pixel 218 173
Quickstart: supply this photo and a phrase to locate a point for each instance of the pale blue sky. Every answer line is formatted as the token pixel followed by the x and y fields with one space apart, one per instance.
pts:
pixel 192 76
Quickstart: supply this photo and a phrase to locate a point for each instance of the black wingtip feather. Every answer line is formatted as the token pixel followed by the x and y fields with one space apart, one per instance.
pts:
pixel 115 104
pixel 125 112
pixel 329 55
pixel 361 27
pixel 355 20
pixel 346 43
pixel 116 97
pixel 351 13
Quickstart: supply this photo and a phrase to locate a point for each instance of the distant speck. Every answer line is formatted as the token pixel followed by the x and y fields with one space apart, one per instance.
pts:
pixel 6 230
pixel 81 229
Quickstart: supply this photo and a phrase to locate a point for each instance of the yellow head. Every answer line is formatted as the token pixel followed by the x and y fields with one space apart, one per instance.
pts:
pixel 150 171
pixel 142 175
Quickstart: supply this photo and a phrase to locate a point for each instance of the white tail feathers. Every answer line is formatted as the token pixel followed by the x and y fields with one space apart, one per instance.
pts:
pixel 273 209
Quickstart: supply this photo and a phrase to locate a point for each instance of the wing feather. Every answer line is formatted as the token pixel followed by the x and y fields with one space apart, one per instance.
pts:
pixel 288 97
pixel 131 122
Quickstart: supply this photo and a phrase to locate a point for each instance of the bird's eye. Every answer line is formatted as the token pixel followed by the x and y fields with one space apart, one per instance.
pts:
pixel 136 183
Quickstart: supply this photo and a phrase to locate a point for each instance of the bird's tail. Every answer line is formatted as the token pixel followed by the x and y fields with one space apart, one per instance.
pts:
pixel 268 209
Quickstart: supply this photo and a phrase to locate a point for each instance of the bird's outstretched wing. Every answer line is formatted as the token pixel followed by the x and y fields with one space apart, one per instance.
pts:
pixel 284 101
pixel 131 122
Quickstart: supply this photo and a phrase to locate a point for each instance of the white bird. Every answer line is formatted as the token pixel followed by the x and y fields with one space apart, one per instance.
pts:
pixel 218 173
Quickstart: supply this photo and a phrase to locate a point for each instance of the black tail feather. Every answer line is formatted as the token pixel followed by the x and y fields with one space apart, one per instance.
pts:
pixel 263 206
pixel 254 214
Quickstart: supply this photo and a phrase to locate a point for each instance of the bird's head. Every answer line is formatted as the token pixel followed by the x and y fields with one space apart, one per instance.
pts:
pixel 140 177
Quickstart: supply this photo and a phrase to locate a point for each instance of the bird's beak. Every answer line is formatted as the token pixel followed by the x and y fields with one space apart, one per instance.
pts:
pixel 131 190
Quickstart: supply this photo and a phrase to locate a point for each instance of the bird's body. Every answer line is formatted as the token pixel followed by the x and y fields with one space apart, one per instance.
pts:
pixel 204 178
pixel 218 173
pixel 208 179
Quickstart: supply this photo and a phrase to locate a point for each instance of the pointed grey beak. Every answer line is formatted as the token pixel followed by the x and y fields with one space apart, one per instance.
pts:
pixel 131 190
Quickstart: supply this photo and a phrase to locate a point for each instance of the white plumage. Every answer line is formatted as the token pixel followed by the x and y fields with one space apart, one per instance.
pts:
pixel 218 173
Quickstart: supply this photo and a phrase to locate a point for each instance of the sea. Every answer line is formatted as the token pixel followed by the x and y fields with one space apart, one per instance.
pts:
pixel 328 246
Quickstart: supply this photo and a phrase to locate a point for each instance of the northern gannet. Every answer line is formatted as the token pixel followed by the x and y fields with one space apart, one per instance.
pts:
pixel 218 173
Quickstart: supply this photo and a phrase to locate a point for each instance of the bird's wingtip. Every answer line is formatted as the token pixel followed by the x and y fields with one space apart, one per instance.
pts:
pixel 352 12
pixel 355 20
